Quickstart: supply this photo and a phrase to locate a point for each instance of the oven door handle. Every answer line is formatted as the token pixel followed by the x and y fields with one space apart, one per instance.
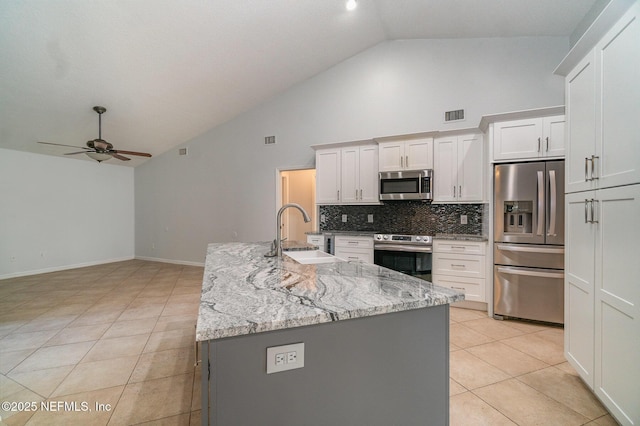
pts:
pixel 401 247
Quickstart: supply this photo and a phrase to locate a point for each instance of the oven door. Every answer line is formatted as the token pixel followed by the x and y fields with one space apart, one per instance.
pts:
pixel 413 263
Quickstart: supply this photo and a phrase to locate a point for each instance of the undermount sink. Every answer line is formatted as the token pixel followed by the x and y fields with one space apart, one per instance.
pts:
pixel 312 256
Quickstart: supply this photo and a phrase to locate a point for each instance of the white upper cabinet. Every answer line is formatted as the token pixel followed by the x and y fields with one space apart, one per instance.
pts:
pixel 414 154
pixel 458 168
pixel 328 172
pixel 347 175
pixel 359 177
pixel 580 92
pixel 529 138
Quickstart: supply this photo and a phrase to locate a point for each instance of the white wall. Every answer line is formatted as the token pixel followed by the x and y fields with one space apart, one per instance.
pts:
pixel 224 190
pixel 57 213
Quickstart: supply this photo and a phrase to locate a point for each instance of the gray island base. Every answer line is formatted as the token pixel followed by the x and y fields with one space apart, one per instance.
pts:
pixel 376 342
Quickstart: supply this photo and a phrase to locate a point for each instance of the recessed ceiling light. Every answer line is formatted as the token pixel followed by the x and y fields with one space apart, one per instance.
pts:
pixel 351 4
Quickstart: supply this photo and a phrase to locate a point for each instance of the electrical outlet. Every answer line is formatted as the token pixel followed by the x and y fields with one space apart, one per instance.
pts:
pixel 370 218
pixel 323 218
pixel 286 357
pixel 463 219
pixel 344 217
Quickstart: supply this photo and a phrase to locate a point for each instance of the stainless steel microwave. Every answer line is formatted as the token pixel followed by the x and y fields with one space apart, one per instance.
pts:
pixel 406 185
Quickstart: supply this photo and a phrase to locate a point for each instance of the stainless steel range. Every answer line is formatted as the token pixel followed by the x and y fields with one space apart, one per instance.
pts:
pixel 409 254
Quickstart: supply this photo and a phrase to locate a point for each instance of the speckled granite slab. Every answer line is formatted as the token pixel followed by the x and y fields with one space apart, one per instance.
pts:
pixel 244 292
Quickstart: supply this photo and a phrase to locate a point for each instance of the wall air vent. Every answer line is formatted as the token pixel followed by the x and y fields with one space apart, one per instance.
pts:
pixel 182 151
pixel 269 140
pixel 456 115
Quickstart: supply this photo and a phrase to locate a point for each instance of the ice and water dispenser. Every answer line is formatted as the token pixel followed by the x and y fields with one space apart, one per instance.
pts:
pixel 518 217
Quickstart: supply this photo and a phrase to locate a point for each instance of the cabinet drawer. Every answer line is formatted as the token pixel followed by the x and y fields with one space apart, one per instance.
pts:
pixel 363 254
pixel 463 247
pixel 318 240
pixel 355 242
pixel 473 288
pixel 460 265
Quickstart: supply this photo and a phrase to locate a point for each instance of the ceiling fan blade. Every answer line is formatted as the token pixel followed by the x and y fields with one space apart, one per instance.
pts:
pixel 59 144
pixel 79 152
pixel 141 154
pixel 118 156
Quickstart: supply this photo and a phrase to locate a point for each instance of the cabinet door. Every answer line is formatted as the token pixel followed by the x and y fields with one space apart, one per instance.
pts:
pixel 470 168
pixel 580 92
pixel 617 302
pixel 391 156
pixel 445 172
pixel 418 154
pixel 517 139
pixel 579 286
pixel 328 176
pixel 350 188
pixel 618 58
pixel 553 136
pixel 369 192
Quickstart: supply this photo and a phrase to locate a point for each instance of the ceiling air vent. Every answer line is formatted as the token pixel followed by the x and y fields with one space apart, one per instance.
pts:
pixel 456 115
pixel 269 140
pixel 182 151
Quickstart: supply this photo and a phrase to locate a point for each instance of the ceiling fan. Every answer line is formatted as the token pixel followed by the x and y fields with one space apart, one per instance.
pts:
pixel 99 149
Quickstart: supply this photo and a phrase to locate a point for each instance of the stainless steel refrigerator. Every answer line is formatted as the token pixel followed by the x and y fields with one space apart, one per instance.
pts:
pixel 528 274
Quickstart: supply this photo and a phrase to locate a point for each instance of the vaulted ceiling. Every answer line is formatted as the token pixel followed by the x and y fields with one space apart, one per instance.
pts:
pixel 168 70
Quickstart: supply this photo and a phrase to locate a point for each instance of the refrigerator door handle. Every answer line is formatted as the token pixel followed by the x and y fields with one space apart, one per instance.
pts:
pixel 540 202
pixel 553 202
pixel 515 271
pixel 531 249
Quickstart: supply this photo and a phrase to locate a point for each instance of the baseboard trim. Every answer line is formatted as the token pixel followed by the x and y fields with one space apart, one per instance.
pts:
pixel 176 262
pixel 64 267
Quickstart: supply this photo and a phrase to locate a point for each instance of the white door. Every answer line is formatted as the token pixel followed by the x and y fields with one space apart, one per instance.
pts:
pixel 581 125
pixel 618 56
pixel 579 285
pixel 617 302
pixel 553 141
pixel 391 156
pixel 369 174
pixel 445 173
pixel 470 167
pixel 418 154
pixel 350 164
pixel 517 139
pixel 328 176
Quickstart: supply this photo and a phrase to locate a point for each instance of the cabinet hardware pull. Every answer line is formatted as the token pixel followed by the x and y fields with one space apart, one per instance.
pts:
pixel 458 288
pixel 356 194
pixel 593 167
pixel 459 247
pixel 401 161
pixel 338 194
pixel 361 195
pixel 406 161
pixel 586 169
pixel 547 143
pixel 593 211
pixel 453 265
pixel 196 361
pixel 454 191
pixel 460 191
pixel 538 144
pixel 586 211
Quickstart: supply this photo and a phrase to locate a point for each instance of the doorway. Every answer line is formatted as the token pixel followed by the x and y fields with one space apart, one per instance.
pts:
pixel 298 186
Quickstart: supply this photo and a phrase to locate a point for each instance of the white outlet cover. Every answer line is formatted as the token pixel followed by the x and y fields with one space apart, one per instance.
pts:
pixel 463 219
pixel 284 350
pixel 344 217
pixel 370 218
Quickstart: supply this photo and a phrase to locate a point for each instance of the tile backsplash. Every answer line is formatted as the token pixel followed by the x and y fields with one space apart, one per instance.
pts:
pixel 405 217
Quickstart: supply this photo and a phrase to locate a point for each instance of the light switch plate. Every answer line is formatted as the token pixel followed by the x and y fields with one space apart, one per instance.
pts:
pixel 285 357
pixel 344 217
pixel 370 218
pixel 463 219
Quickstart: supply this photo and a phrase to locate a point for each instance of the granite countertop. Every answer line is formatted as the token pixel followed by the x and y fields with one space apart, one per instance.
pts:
pixel 244 292
pixel 461 237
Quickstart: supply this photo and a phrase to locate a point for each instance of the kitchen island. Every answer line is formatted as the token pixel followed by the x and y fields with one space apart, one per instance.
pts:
pixel 376 342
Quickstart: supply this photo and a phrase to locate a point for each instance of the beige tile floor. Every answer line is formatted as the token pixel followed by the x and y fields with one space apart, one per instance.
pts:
pixel 121 335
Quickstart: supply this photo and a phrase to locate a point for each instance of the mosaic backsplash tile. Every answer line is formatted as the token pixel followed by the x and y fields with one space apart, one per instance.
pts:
pixel 405 217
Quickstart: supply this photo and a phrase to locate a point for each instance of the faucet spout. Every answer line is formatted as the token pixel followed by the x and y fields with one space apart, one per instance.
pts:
pixel 277 244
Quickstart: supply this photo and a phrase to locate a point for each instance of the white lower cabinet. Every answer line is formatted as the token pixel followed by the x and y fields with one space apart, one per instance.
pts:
pixel 316 240
pixel 354 248
pixel 461 265
pixel 602 295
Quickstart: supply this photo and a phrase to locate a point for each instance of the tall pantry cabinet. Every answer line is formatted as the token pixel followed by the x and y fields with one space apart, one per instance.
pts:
pixel 602 265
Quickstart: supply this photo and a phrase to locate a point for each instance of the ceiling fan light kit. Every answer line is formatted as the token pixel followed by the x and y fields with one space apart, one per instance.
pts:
pixel 99 149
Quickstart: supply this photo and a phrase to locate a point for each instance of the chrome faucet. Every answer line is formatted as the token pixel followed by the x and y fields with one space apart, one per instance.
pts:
pixel 276 247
